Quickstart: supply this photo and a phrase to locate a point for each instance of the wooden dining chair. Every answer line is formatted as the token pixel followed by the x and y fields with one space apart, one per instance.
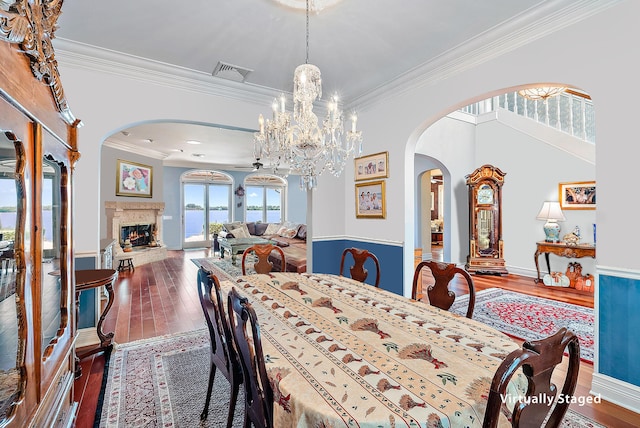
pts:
pixel 439 293
pixel 223 355
pixel 538 359
pixel 262 251
pixel 358 271
pixel 258 393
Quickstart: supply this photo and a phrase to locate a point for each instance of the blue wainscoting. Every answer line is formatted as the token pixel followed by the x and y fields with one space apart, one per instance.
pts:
pixel 87 312
pixel 619 321
pixel 327 256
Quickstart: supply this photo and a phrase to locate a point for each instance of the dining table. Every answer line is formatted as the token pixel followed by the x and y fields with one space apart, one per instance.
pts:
pixel 341 353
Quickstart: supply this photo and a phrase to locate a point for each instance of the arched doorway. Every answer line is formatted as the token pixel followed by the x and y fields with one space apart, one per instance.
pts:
pixel 518 142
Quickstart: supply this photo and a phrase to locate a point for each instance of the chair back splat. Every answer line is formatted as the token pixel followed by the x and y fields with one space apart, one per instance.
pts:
pixel 262 251
pixel 538 359
pixel 258 393
pixel 223 354
pixel 439 293
pixel 358 271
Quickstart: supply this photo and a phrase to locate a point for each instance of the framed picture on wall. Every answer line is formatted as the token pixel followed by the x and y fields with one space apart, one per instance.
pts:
pixel 579 195
pixel 370 200
pixel 372 166
pixel 133 179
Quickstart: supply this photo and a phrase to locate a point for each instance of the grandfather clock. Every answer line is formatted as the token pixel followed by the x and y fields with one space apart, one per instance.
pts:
pixel 485 221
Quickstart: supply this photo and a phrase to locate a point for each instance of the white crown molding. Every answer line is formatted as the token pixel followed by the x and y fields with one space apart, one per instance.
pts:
pixel 83 56
pixel 504 38
pixel 521 30
pixel 145 151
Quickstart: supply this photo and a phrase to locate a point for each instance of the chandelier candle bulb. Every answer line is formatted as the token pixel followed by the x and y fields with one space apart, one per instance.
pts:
pixel 354 119
pixel 282 99
pixel 261 123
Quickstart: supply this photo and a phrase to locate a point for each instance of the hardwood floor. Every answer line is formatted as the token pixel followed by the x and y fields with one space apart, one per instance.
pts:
pixel 160 298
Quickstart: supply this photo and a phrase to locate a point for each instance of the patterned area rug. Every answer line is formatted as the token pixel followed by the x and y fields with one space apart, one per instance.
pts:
pixel 529 317
pixel 163 382
pixel 223 268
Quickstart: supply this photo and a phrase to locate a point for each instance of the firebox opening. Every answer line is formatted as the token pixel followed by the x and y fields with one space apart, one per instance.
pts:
pixel 138 234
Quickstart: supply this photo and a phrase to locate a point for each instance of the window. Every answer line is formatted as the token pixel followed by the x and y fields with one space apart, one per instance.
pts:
pixel 207 199
pixel 265 198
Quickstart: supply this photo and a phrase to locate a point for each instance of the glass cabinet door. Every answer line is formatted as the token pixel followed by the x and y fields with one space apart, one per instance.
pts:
pixel 12 335
pixel 53 299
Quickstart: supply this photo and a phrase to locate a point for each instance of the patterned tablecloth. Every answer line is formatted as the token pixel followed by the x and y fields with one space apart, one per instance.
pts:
pixel 342 353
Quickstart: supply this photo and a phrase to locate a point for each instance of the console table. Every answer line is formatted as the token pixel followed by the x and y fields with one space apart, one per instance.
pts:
pixel 563 250
pixel 89 279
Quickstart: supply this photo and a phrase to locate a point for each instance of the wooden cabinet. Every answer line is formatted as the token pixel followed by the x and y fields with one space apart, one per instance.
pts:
pixel 37 155
pixel 485 221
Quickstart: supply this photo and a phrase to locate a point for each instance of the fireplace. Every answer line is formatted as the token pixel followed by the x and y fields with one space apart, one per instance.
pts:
pixel 141 224
pixel 139 235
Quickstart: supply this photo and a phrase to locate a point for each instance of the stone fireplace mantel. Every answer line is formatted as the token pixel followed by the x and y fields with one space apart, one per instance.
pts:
pixel 125 213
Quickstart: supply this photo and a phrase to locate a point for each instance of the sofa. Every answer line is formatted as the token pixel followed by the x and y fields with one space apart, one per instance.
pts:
pixel 290 237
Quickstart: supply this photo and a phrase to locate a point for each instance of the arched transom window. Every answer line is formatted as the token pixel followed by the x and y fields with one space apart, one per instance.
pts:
pixel 265 197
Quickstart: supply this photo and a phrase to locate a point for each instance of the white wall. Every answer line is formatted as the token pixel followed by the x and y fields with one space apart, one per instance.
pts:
pixel 395 123
pixel 107 102
pixel 533 170
pixel 452 142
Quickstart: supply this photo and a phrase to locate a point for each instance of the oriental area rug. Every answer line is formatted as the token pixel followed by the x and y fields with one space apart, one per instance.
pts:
pixel 530 317
pixel 163 381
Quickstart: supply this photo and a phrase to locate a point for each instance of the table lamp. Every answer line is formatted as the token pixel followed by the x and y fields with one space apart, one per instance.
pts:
pixel 552 213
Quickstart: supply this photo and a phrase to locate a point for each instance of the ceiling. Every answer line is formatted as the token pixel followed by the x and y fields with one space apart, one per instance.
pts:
pixel 359 45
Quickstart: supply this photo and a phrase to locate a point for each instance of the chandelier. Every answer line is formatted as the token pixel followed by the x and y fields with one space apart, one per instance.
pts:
pixel 542 92
pixel 300 141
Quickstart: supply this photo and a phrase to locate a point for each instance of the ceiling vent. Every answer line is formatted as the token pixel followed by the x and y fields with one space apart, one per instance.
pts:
pixel 231 72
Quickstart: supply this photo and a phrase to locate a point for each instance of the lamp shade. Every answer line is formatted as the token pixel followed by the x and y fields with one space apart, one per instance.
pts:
pixel 551 211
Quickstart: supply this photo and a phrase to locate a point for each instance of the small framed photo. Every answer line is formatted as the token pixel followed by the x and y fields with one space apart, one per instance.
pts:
pixel 372 166
pixel 370 200
pixel 133 179
pixel 579 195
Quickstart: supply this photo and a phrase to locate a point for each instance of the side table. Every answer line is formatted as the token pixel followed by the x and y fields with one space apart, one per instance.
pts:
pixel 563 250
pixel 86 280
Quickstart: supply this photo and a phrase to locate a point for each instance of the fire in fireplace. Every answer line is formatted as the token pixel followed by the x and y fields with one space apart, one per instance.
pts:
pixel 137 234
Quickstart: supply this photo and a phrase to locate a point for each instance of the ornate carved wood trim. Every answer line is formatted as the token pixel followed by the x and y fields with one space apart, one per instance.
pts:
pixel 32 24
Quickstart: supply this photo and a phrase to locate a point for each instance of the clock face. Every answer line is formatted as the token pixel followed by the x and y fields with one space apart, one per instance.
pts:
pixel 485 194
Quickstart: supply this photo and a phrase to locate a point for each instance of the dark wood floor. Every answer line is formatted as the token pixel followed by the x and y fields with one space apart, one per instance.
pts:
pixel 160 298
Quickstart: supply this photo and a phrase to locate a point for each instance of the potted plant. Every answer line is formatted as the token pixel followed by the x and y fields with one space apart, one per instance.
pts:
pixel 215 228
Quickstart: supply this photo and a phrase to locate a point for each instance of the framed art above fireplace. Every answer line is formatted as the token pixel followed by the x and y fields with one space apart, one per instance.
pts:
pixel 134 179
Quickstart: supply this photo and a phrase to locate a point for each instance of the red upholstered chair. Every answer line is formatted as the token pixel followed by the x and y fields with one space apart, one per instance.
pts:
pixel 358 271
pixel 262 251
pixel 537 359
pixel 258 404
pixel 223 354
pixel 439 293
